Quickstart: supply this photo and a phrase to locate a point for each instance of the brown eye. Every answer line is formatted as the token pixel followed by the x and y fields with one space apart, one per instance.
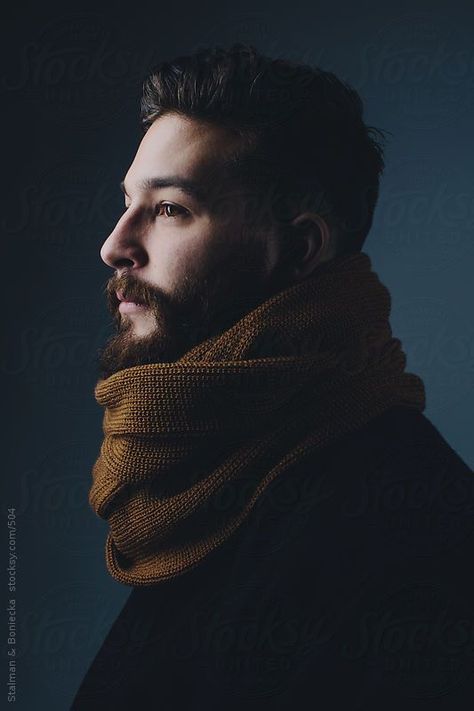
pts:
pixel 169 206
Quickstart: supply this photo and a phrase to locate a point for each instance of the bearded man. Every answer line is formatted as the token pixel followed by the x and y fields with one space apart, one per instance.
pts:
pixel 295 532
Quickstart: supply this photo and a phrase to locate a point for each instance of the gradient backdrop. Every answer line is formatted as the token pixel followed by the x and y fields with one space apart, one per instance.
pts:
pixel 71 84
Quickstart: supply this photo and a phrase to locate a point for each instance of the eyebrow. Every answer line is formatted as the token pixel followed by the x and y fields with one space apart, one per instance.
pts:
pixel 192 188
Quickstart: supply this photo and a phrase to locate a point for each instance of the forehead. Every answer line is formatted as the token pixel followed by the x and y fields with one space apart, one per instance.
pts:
pixel 182 146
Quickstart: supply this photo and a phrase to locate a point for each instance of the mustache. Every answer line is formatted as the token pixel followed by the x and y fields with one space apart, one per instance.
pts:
pixel 132 290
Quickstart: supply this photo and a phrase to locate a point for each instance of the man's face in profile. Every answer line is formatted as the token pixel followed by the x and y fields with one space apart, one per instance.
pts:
pixel 187 261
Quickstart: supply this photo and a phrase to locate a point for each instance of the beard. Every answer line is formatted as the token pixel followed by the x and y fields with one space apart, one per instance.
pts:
pixel 198 308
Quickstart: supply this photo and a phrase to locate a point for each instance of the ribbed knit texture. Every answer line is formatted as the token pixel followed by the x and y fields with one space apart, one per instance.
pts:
pixel 189 446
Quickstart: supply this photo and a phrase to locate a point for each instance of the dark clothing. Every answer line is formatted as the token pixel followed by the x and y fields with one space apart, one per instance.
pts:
pixel 349 586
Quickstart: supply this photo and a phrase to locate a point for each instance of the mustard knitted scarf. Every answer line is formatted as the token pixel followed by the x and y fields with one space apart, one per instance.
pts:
pixel 189 446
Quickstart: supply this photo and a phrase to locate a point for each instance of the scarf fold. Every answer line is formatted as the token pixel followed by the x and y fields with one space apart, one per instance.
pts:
pixel 190 446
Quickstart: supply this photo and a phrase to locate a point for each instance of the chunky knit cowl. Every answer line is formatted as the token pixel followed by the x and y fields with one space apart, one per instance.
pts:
pixel 190 446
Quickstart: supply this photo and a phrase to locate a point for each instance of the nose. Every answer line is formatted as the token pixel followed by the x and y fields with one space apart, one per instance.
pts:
pixel 123 246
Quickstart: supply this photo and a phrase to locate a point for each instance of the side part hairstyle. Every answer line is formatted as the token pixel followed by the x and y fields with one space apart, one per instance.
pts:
pixel 304 144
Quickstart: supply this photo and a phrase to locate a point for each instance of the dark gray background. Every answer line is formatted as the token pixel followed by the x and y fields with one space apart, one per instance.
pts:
pixel 71 83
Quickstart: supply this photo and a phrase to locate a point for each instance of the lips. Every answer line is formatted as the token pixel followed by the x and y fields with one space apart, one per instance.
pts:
pixel 120 296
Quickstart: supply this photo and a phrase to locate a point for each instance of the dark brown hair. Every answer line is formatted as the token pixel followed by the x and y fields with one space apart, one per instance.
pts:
pixel 304 141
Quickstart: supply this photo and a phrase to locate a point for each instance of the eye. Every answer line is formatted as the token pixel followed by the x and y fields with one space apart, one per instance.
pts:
pixel 169 206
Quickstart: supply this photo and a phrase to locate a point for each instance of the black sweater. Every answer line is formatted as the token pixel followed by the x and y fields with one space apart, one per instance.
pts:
pixel 350 586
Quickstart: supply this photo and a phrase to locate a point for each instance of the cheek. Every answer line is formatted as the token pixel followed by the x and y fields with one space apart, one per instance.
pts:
pixel 196 255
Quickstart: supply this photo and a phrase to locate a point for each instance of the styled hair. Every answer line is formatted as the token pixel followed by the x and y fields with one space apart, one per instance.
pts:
pixel 304 141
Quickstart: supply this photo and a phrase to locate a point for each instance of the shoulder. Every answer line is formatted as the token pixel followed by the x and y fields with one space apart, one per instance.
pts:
pixel 385 506
pixel 396 477
pixel 361 559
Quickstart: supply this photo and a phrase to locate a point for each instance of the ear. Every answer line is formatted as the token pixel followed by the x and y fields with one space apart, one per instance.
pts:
pixel 309 241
